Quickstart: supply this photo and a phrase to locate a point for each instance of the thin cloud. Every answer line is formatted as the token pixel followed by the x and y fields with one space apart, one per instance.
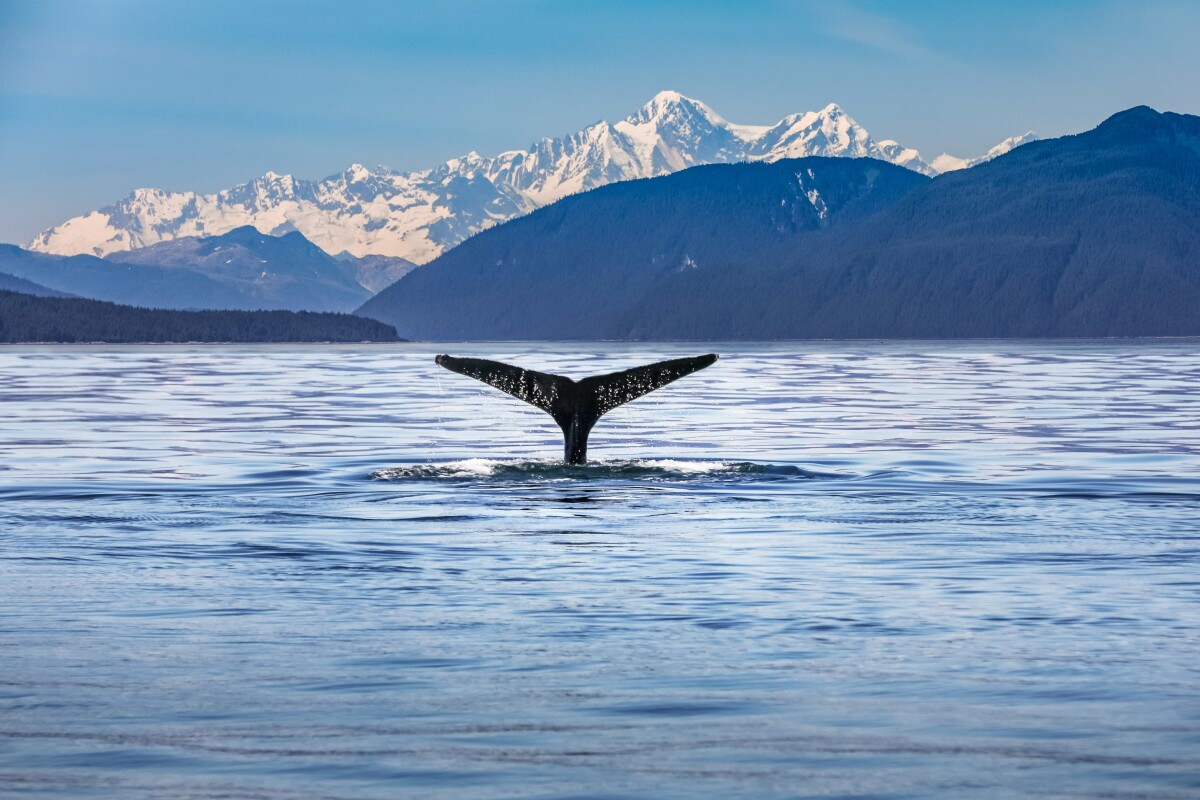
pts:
pixel 876 31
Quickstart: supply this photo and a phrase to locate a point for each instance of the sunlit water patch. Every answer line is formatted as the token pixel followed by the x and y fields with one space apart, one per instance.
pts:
pixel 930 569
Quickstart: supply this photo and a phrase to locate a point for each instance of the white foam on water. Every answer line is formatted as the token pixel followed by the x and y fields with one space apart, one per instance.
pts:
pixel 466 468
pixel 673 465
pixel 472 466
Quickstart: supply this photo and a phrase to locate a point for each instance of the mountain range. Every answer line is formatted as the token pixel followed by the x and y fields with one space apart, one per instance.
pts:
pixel 240 269
pixel 419 215
pixel 1096 234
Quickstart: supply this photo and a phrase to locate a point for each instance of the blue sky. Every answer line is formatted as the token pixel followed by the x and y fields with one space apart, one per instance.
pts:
pixel 97 98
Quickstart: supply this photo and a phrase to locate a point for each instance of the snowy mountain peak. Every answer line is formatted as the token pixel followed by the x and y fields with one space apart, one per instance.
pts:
pixel 418 215
pixel 668 96
pixel 948 163
pixel 1011 143
pixel 669 106
pixel 665 101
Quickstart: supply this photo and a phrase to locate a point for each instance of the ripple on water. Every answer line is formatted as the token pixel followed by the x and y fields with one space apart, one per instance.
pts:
pixel 895 570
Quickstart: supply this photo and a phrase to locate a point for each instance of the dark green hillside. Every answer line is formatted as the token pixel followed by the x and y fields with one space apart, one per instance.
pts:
pixel 26 318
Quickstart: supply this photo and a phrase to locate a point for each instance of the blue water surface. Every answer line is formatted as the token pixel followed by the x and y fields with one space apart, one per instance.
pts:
pixel 902 570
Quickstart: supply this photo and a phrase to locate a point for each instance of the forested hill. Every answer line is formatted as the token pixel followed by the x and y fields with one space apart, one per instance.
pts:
pixel 1096 234
pixel 27 318
pixel 1092 235
pixel 573 269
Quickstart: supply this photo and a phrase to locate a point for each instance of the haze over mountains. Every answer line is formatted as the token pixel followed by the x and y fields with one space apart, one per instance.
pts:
pixel 1096 234
pixel 419 215
pixel 11 283
pixel 241 269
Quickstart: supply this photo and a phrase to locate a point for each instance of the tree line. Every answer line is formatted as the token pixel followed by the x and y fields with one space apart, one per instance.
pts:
pixel 26 318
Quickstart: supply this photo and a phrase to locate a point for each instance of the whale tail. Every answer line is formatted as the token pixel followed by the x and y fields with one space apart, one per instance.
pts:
pixel 576 405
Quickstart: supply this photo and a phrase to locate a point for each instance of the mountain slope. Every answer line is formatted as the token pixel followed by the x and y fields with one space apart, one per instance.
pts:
pixel 242 269
pixel 571 269
pixel 375 273
pixel 28 318
pixel 1090 235
pixel 99 279
pixel 285 272
pixel 11 283
pixel 419 215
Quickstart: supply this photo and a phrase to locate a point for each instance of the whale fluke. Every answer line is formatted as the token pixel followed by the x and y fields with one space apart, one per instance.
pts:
pixel 575 405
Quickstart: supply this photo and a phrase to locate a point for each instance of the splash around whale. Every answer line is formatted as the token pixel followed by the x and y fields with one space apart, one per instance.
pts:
pixel 576 405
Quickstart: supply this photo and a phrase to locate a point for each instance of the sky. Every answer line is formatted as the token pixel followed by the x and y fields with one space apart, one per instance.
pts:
pixel 98 98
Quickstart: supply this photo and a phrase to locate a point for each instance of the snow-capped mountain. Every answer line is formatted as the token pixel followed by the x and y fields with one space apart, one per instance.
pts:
pixel 418 215
pixel 948 163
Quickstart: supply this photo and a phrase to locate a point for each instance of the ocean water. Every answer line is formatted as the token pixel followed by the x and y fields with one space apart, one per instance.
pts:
pixel 903 570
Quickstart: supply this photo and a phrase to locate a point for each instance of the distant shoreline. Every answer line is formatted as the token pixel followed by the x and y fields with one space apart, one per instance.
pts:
pixel 33 319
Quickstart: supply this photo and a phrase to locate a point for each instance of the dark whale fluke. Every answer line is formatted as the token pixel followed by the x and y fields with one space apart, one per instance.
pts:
pixel 576 405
